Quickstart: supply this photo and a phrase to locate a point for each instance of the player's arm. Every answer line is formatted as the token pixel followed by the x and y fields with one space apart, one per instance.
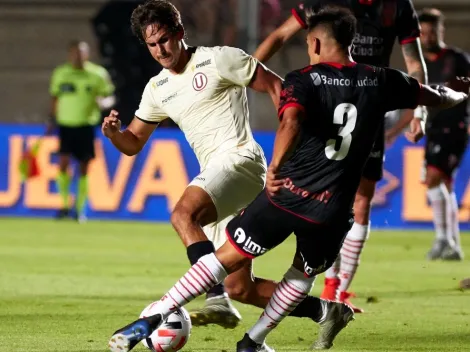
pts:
pixel 291 114
pixel 277 39
pixel 131 140
pixel 238 68
pixel 266 81
pixel 440 97
pixel 146 119
pixel 287 135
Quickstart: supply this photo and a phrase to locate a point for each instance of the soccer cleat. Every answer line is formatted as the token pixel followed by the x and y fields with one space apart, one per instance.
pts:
pixel 62 214
pixel 218 310
pixel 437 250
pixel 330 290
pixel 248 345
pixel 452 254
pixel 126 338
pixel 344 298
pixel 337 318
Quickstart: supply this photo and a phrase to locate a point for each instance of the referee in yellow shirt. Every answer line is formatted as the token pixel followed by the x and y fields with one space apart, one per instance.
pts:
pixel 79 90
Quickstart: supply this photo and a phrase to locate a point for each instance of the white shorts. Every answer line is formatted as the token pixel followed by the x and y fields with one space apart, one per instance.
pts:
pixel 232 182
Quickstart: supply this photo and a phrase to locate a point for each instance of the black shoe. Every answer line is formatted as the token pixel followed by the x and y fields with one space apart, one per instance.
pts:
pixel 126 338
pixel 248 345
pixel 62 214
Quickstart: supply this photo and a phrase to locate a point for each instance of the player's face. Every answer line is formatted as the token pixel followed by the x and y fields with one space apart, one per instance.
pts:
pixel 163 46
pixel 431 36
pixel 76 57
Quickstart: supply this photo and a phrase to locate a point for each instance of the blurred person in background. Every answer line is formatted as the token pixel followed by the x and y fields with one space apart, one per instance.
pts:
pixel 446 137
pixel 380 22
pixel 79 90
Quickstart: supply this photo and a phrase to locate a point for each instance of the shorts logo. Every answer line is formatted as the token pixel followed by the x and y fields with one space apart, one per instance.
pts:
pixel 240 235
pixel 316 78
pixel 249 246
pixel 199 81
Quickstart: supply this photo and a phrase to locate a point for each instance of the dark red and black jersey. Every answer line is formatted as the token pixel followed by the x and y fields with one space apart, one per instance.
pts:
pixel 448 64
pixel 380 22
pixel 344 108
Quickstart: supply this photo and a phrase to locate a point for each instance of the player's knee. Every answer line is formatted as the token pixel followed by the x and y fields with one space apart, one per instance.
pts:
pixel 238 291
pixel 180 216
pixel 433 178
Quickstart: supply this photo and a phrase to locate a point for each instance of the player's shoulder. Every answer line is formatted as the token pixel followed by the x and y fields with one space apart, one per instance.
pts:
pixel 457 52
pixel 224 51
pixel 61 69
pixel 300 74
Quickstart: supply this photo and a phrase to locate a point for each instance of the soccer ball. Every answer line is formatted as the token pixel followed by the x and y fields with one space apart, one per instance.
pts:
pixel 172 334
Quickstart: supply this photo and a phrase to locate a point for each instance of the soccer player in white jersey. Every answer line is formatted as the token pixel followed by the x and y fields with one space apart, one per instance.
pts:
pixel 203 90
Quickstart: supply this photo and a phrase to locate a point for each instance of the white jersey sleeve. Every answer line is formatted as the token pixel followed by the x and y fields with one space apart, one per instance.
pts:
pixel 148 110
pixel 235 66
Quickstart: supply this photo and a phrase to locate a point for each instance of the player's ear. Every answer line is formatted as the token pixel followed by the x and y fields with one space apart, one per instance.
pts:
pixel 317 46
pixel 180 35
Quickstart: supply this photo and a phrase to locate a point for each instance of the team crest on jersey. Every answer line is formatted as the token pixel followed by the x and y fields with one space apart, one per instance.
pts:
pixel 199 81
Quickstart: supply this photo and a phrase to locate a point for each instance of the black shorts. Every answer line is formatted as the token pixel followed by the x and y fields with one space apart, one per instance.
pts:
pixel 444 152
pixel 78 142
pixel 263 225
pixel 373 169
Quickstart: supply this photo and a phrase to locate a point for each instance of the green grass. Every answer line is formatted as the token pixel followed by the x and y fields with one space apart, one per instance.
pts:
pixel 67 287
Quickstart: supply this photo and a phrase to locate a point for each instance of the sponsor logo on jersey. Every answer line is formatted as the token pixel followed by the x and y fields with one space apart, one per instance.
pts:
pixel 204 63
pixel 343 82
pixel 248 245
pixel 199 81
pixel 162 82
pixel 170 97
pixel 367 45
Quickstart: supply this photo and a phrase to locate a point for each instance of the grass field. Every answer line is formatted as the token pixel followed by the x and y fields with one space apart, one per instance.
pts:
pixel 67 287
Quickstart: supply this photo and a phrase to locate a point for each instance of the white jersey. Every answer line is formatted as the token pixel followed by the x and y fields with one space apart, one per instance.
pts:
pixel 208 102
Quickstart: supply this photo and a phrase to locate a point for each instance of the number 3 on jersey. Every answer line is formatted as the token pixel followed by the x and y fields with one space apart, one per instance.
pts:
pixel 350 112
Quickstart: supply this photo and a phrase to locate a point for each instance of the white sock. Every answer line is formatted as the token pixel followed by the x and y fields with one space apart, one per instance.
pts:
pixel 438 204
pixel 292 290
pixel 350 253
pixel 453 220
pixel 333 271
pixel 202 276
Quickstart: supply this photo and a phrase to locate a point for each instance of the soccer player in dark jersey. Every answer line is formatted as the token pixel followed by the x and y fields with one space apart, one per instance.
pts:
pixel 329 115
pixel 446 137
pixel 380 23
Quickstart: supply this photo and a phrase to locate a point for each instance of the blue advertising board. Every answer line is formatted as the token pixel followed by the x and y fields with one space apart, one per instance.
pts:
pixel 147 187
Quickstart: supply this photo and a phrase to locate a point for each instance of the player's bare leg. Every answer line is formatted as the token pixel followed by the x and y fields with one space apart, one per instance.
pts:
pixel 337 287
pixel 445 216
pixel 193 211
pixel 63 185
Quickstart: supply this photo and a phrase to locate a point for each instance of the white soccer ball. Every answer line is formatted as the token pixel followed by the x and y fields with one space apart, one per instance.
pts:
pixel 172 334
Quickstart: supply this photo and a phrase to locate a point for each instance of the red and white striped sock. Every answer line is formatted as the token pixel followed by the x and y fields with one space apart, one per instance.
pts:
pixel 333 271
pixel 437 200
pixel 350 253
pixel 292 290
pixel 202 276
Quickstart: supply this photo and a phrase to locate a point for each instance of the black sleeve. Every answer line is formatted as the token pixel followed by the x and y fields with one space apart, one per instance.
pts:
pixel 463 64
pixel 407 25
pixel 299 12
pixel 401 91
pixel 294 93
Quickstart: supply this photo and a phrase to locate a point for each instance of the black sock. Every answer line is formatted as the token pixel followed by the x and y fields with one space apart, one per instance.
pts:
pixel 195 252
pixel 311 307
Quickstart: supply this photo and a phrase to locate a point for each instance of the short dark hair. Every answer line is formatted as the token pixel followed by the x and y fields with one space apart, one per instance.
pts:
pixel 339 21
pixel 161 13
pixel 431 15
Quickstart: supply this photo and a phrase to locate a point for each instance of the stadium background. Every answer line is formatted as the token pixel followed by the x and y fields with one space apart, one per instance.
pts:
pixel 33 36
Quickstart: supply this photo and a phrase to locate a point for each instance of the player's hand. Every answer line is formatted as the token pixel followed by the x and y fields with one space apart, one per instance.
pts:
pixel 391 136
pixel 416 131
pixel 273 182
pixel 111 124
